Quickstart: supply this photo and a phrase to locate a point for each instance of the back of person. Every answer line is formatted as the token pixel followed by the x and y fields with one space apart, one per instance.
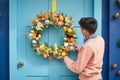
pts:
pixel 90 55
pixel 93 69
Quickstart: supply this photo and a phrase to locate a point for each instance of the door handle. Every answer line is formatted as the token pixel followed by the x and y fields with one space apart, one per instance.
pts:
pixel 20 64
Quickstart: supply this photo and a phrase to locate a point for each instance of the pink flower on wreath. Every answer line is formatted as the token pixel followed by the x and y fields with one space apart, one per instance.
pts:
pixel 60 23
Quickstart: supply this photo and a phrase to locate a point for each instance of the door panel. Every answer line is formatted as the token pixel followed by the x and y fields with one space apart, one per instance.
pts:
pixel 35 66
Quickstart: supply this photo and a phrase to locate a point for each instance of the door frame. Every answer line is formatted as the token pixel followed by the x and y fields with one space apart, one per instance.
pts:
pixel 13 33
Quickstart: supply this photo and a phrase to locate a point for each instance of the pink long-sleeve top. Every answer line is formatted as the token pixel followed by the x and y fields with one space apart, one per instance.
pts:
pixel 90 59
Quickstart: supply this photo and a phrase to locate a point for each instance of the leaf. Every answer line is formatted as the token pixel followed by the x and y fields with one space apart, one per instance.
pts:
pixel 118 42
pixel 37 16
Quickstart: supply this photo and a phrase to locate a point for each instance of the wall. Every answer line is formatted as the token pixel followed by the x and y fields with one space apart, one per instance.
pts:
pixel 114 32
pixel 105 34
pixel 4 39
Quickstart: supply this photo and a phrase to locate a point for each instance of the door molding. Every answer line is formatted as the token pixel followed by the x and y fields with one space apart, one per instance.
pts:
pixel 12 39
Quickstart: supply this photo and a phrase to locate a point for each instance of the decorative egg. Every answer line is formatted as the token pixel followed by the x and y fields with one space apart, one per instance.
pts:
pixel 65 29
pixel 51 52
pixel 34 41
pixel 71 26
pixel 37 38
pixel 37 49
pixel 66 49
pixel 71 48
pixel 64 53
pixel 32 31
pixel 74 36
pixel 48 49
pixel 65 44
pixel 61 18
pixel 65 39
pixel 60 23
pixel 43 48
pixel 72 39
pixel 47 21
pixel 46 17
pixel 69 30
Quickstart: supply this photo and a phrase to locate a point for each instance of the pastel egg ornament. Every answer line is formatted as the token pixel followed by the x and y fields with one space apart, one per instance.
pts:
pixel 75 36
pixel 47 21
pixel 71 48
pixel 34 41
pixel 51 52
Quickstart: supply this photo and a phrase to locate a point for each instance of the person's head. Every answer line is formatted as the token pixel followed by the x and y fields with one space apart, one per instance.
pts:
pixel 88 25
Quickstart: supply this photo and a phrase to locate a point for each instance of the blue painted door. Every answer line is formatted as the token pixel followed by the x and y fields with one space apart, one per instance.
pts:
pixel 36 67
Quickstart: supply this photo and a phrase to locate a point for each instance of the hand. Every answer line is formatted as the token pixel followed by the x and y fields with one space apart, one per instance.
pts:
pixel 74 45
pixel 60 57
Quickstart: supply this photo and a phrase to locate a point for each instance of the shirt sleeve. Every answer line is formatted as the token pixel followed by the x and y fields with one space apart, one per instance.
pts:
pixel 84 55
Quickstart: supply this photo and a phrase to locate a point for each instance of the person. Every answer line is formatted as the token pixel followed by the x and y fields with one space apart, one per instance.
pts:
pixel 90 56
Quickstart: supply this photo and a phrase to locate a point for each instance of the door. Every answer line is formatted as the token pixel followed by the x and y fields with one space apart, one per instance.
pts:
pixel 36 67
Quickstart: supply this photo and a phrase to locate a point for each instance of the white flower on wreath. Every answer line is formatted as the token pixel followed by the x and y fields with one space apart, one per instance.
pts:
pixel 47 21
pixel 71 26
pixel 30 34
pixel 42 46
pixel 65 44
pixel 32 31
pixel 37 38
pixel 67 19
pixel 39 26
pixel 55 46
pixel 37 49
pixel 34 41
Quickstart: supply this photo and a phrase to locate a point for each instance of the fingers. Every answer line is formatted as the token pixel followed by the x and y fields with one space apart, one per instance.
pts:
pixel 77 49
pixel 60 57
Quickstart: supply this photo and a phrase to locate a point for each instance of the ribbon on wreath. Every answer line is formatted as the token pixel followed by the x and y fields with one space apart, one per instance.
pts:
pixel 53 6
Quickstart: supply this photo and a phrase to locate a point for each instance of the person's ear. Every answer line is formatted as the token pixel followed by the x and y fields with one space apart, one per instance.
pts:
pixel 86 33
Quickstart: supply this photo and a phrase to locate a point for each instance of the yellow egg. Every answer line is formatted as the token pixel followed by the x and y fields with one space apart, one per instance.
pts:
pixel 69 24
pixel 33 36
pixel 46 17
pixel 61 18
pixel 65 29
pixel 55 52
pixel 42 49
pixel 69 30
pixel 55 48
pixel 72 39
pixel 66 49
pixel 65 39
pixel 64 53
pixel 49 49
pixel 39 36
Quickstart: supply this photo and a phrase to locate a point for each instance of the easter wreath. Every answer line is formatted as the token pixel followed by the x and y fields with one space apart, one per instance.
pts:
pixel 44 20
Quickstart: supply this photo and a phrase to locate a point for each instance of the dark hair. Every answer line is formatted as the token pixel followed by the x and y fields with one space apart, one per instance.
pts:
pixel 88 23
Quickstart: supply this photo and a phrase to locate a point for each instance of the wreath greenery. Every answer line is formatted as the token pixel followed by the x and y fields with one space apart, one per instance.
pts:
pixel 44 20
